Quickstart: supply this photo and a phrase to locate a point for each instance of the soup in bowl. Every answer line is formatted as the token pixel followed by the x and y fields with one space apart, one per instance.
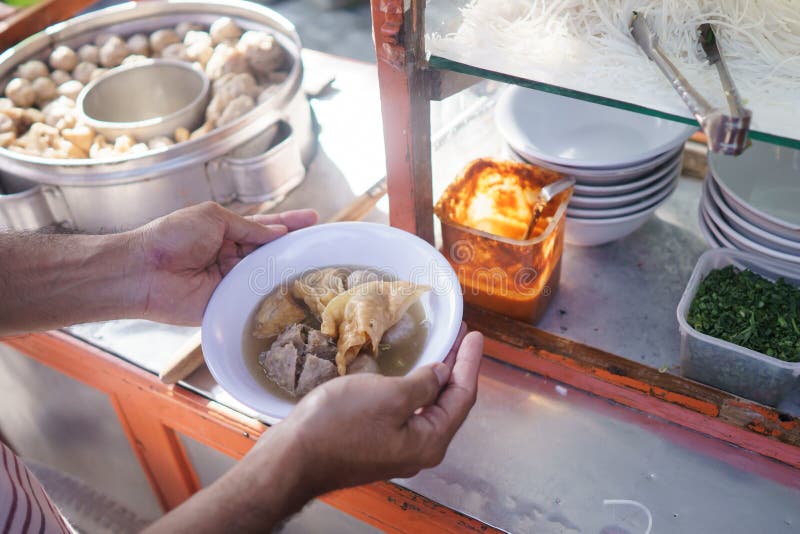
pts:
pixel 324 302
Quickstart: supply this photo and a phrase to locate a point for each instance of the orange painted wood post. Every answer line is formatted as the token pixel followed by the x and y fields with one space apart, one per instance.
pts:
pixel 158 448
pixel 405 109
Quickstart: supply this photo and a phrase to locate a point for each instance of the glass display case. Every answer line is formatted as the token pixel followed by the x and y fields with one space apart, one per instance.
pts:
pixel 428 51
pixel 585 50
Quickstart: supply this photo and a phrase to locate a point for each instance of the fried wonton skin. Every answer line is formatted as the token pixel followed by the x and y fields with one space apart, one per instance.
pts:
pixel 318 288
pixel 362 314
pixel 362 276
pixel 277 312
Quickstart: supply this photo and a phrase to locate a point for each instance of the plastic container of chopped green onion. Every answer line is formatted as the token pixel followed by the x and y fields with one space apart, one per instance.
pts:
pixel 730 366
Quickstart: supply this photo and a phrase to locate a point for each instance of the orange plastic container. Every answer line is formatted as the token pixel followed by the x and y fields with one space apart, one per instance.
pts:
pixel 485 214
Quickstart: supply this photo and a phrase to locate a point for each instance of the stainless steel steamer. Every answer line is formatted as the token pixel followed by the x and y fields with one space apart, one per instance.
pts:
pixel 258 158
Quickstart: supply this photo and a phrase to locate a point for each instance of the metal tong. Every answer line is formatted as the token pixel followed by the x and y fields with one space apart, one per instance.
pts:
pixel 726 134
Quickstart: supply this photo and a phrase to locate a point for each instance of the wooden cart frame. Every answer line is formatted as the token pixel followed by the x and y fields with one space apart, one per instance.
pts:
pixel 152 413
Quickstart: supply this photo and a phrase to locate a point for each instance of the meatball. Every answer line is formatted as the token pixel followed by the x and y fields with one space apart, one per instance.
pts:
pixel 224 29
pixel 60 76
pixel 237 108
pixel 198 46
pixel 103 38
pixel 84 71
pixel 60 113
pixel 135 59
pixel 70 89
pixel 182 29
pixel 224 60
pixel 113 52
pixel 160 39
pixel 30 70
pixel 45 90
pixel 139 44
pixel 262 51
pixel 227 89
pixel 89 53
pixel 175 51
pixel 21 92
pixel 63 58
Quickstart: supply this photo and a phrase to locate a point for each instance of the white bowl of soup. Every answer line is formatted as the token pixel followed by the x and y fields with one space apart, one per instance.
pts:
pixel 327 301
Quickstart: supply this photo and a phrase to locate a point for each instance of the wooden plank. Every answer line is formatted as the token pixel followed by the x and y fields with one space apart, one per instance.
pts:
pixel 28 21
pixel 387 506
pixel 147 401
pixel 406 114
pixel 677 399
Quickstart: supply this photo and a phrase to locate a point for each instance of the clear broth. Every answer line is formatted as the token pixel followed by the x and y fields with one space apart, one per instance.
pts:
pixel 397 360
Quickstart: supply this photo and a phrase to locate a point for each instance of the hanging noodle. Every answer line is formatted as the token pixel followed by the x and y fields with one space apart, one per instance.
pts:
pixel 586 45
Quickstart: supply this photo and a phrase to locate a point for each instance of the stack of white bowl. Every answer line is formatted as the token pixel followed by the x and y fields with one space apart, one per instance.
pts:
pixel 752 202
pixel 625 164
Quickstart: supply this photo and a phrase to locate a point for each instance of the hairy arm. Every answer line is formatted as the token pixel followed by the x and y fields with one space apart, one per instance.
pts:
pixel 265 487
pixel 47 281
pixel 164 271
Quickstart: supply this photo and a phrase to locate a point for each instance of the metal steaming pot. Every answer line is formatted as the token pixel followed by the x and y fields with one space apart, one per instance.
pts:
pixel 241 161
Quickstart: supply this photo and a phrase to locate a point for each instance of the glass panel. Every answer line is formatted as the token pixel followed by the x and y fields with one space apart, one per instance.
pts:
pixel 583 50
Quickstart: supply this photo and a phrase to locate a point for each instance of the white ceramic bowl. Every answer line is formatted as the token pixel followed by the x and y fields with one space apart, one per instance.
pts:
pixel 573 132
pixel 593 232
pixel 705 230
pixel 763 186
pixel 617 201
pixel 721 240
pixel 741 225
pixel 603 177
pixel 406 256
pixel 636 207
pixel 643 181
pixel 739 241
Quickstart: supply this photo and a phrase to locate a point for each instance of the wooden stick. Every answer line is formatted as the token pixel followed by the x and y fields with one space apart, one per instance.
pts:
pixel 362 204
pixel 184 362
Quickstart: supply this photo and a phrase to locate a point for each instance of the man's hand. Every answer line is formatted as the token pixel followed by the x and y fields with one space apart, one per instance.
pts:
pixel 164 271
pixel 366 427
pixel 188 252
pixel 351 430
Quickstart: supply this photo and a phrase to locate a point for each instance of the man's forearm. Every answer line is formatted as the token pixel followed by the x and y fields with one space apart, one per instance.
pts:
pixel 49 281
pixel 271 483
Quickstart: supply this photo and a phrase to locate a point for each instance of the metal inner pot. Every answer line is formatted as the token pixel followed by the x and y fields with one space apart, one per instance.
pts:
pixel 146 100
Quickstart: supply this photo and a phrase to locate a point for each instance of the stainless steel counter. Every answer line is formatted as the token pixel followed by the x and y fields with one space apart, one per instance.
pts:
pixel 534 455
